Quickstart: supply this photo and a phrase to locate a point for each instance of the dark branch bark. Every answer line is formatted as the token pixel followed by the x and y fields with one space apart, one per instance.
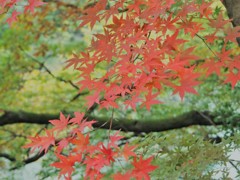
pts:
pixel 7 156
pixel 26 161
pixel 158 125
pixel 34 158
pixel 233 10
pixel 10 117
pixel 137 126
pixel 143 125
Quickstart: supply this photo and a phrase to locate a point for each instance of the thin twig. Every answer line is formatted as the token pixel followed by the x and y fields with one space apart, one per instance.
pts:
pixel 110 127
pixel 238 170
pixel 48 70
pixel 200 37
pixel 207 118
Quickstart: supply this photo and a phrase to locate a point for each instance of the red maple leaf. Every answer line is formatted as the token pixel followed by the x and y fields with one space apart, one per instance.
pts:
pixel 191 27
pixel 81 142
pixel 82 123
pixel 232 33
pixel 91 14
pixel 224 55
pixel 13 18
pixel 78 118
pixel 128 151
pixel 142 168
pixel 234 63
pixel 93 174
pixel 211 37
pixel 66 164
pixel 108 153
pixel 213 66
pixel 32 4
pixel 62 144
pixel 91 99
pixel 132 102
pixel 88 68
pixel 233 78
pixel 112 11
pixel 96 162
pixel 219 23
pixel 189 7
pixel 205 9
pixel 60 124
pixel 177 63
pixel 135 6
pixel 114 139
pixel 168 24
pixel 172 43
pixel 187 82
pixel 109 102
pixel 43 142
pixel 76 61
pixel 150 100
pixel 86 82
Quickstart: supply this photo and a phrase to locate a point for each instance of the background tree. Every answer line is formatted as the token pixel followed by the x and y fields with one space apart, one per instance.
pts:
pixel 35 60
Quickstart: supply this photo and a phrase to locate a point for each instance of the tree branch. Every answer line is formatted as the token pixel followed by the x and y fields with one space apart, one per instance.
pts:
pixel 7 156
pixel 137 126
pixel 233 10
pixel 143 125
pixel 26 161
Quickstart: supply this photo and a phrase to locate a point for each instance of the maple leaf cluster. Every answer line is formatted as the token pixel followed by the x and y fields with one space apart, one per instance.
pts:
pixel 10 5
pixel 80 150
pixel 144 45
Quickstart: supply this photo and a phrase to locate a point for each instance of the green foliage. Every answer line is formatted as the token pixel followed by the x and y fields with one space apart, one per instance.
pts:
pixel 184 154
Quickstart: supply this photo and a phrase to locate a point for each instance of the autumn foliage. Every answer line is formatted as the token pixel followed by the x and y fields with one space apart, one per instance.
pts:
pixel 95 156
pixel 145 47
